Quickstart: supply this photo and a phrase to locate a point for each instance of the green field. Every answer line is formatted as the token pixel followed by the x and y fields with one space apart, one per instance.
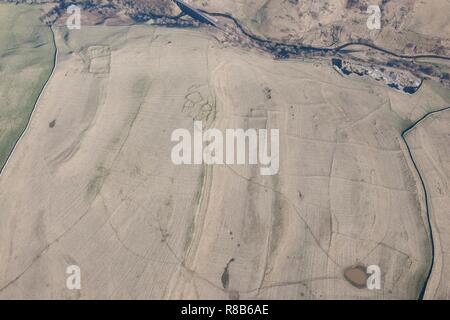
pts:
pixel 27 53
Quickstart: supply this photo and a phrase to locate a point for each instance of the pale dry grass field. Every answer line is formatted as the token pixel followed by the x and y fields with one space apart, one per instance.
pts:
pixel 92 182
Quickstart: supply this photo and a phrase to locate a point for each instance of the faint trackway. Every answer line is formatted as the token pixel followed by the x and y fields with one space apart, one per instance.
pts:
pixel 55 58
pixel 427 207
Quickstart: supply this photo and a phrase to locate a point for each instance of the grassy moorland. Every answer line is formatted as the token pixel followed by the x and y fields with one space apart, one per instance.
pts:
pixel 26 60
